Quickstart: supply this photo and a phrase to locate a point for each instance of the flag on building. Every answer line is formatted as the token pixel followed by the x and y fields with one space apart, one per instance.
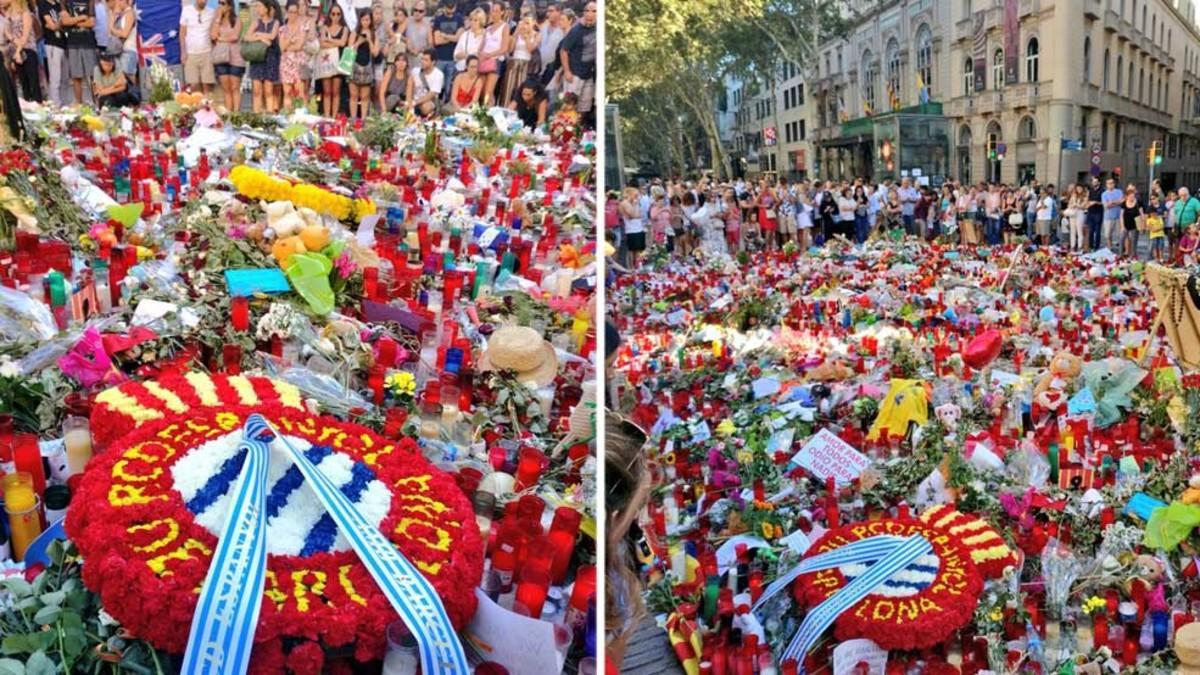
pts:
pixel 922 90
pixel 893 97
pixel 843 114
pixel 868 109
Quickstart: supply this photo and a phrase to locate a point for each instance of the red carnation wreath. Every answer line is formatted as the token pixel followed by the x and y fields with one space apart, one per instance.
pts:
pixel 918 607
pixel 147 545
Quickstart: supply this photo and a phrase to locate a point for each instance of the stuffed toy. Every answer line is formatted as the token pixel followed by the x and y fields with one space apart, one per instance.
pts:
pixel 949 414
pixel 1192 494
pixel 1064 368
pixel 829 370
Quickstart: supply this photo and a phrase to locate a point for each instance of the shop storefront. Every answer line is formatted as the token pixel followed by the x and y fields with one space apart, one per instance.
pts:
pixel 912 142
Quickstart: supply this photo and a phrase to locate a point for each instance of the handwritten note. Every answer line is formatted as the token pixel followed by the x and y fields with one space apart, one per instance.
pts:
pixel 827 455
pixel 850 653
pixel 780 441
pixel 519 643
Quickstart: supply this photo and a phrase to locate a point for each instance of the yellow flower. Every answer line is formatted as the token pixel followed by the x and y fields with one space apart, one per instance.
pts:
pixel 401 383
pixel 996 614
pixel 726 427
pixel 768 530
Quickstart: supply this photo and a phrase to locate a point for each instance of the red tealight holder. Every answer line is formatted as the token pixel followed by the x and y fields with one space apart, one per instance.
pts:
pixel 239 313
pixel 531 592
pixel 529 468
pixel 563 533
pixel 231 359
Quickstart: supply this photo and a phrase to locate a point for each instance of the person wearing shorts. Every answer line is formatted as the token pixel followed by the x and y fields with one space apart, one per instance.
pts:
pixel 78 21
pixel 195 39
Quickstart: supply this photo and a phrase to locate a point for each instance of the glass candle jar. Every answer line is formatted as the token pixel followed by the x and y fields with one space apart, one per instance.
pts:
pixel 21 505
pixel 77 437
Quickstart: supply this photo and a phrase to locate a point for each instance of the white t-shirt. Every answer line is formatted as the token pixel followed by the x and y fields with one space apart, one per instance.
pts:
pixel 468 45
pixel 198 24
pixel 434 77
pixel 846 207
pixel 1045 208
pixel 634 225
pixel 804 215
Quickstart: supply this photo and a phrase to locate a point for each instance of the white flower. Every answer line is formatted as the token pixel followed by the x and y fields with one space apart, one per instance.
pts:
pixel 9 369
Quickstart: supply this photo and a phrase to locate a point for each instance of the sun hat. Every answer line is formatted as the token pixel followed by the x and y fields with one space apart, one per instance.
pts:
pixel 524 351
pixel 1187 648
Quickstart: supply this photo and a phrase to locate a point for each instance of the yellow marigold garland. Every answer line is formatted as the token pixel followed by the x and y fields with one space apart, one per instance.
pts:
pixel 257 184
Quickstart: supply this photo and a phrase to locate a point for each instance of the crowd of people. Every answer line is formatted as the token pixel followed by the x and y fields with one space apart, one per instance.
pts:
pixel 425 56
pixel 685 216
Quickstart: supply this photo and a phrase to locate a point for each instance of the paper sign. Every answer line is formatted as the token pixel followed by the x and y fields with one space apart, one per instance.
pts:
pixel 247 282
pixel 519 643
pixel 827 455
pixel 701 432
pixel 1082 403
pixel 797 541
pixel 780 441
pixel 676 318
pixel 727 554
pixel 850 653
pixel 765 386
pixel 1004 379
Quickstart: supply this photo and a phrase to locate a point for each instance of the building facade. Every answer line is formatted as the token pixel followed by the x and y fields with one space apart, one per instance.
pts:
pixel 1114 75
pixel 877 94
pixel 1012 89
pixel 764 125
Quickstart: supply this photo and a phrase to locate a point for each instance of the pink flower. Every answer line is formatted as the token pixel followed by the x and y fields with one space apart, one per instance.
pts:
pixel 345 265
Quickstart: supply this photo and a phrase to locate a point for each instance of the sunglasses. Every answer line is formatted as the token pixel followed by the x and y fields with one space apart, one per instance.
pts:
pixel 418 11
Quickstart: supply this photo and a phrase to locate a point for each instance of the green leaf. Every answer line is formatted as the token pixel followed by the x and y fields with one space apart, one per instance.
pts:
pixel 11 667
pixel 29 603
pixel 53 599
pixel 74 639
pixel 18 587
pixel 47 615
pixel 26 643
pixel 40 664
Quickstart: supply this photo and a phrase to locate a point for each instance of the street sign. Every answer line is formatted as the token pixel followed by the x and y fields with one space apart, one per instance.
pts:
pixel 769 137
pixel 1094 169
pixel 1072 145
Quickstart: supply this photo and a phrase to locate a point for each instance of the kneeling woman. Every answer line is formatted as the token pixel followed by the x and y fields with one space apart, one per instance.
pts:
pixel 531 104
pixel 109 86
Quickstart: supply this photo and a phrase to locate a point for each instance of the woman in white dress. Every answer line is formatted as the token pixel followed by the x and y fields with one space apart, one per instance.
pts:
pixel 709 219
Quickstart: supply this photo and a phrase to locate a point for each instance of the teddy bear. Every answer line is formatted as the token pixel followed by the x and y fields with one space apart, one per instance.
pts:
pixel 1050 394
pixel 830 369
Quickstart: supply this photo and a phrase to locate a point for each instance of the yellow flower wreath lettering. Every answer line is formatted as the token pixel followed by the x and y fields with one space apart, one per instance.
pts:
pixel 119 472
pixel 172 534
pixel 272 590
pixel 443 542
pixel 120 494
pixel 301 590
pixel 348 586
pixel 183 552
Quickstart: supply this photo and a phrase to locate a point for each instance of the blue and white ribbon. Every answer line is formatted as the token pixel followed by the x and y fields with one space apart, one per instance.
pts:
pixel 226 617
pixel 861 551
pixel 408 591
pixel 227 614
pixel 890 555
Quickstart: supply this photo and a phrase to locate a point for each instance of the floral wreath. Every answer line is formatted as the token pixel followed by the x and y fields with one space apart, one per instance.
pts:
pixel 148 508
pixel 919 606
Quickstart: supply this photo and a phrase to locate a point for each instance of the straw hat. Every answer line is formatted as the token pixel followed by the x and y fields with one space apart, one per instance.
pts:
pixel 524 351
pixel 1187 647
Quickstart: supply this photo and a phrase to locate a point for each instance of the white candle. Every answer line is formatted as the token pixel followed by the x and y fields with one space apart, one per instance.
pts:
pixel 401 661
pixel 78 441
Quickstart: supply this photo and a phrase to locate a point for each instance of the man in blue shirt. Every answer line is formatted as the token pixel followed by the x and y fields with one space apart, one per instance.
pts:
pixel 909 196
pixel 1111 199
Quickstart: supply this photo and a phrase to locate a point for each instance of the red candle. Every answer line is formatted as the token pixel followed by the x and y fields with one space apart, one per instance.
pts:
pixel 1099 630
pixel 28 458
pixel 232 358
pixel 6 437
pixel 239 308
pixel 371 282
pixel 529 467
pixel 563 532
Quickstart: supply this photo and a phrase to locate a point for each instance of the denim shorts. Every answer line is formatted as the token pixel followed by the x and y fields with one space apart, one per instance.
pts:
pixel 224 69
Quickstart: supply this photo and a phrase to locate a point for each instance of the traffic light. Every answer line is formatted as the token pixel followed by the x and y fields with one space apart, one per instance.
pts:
pixel 1155 153
pixel 991 148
